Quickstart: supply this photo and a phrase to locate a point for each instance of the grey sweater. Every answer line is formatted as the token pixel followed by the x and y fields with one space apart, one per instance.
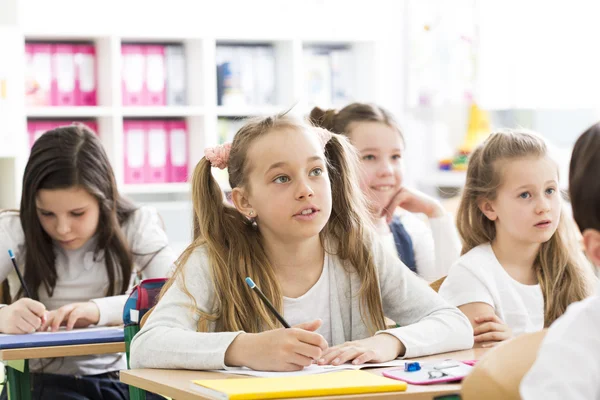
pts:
pixel 428 325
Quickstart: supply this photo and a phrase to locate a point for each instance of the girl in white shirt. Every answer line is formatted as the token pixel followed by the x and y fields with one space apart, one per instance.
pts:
pixel 426 250
pixel 298 229
pixel 521 266
pixel 568 363
pixel 79 246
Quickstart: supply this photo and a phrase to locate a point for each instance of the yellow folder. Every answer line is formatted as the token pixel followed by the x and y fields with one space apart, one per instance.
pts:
pixel 335 383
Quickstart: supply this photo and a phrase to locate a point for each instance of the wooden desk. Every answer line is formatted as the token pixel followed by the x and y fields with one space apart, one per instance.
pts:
pixel 18 380
pixel 178 385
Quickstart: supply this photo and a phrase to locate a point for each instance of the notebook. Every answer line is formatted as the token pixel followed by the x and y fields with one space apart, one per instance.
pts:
pixel 335 383
pixel 62 338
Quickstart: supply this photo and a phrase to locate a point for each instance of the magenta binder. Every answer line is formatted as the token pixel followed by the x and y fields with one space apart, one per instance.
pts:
pixel 177 157
pixel 86 76
pixel 156 160
pixel 134 133
pixel 63 79
pixel 156 75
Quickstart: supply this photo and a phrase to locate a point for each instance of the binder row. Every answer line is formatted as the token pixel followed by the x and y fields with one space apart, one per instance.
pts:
pixel 330 75
pixel 60 74
pixel 155 151
pixel 36 128
pixel 153 75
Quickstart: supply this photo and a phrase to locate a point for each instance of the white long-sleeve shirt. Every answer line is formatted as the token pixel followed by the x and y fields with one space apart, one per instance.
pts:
pixel 428 324
pixel 437 245
pixel 568 362
pixel 83 277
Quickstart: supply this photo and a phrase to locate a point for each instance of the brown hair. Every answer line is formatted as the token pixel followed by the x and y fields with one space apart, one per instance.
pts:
pixel 559 266
pixel 62 158
pixel 236 251
pixel 341 121
pixel 584 186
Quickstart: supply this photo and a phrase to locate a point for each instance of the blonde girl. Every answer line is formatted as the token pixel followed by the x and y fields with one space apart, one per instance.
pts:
pixel 299 229
pixel 521 265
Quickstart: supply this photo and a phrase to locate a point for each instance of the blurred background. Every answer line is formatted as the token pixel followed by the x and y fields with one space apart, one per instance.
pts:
pixel 161 80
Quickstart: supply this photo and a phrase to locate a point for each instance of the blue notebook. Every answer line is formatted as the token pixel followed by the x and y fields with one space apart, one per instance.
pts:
pixel 62 338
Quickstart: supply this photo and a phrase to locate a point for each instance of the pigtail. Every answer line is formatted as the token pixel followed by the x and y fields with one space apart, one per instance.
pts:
pixel 349 217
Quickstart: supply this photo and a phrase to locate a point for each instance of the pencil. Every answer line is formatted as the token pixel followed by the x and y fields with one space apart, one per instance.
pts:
pixel 14 263
pixel 260 294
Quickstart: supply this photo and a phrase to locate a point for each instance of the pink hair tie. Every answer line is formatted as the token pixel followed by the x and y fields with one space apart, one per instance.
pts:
pixel 324 135
pixel 218 156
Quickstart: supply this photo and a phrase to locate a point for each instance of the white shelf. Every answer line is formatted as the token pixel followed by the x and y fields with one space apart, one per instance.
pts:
pixel 67 112
pixel 445 179
pixel 226 111
pixel 166 111
pixel 156 188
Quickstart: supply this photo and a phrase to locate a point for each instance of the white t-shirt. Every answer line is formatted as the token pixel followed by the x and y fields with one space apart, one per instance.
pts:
pixel 478 277
pixel 568 362
pixel 436 244
pixel 313 304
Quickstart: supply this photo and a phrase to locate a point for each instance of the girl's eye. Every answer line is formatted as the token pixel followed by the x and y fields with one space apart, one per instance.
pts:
pixel 281 179
pixel 77 214
pixel 396 157
pixel 369 157
pixel 550 191
pixel 525 195
pixel 45 213
pixel 316 172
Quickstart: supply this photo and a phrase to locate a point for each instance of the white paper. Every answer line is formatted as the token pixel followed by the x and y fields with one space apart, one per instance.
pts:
pixel 311 370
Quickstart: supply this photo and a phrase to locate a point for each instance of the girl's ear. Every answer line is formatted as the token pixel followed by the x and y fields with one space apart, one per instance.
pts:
pixel 487 208
pixel 240 200
pixel 591 241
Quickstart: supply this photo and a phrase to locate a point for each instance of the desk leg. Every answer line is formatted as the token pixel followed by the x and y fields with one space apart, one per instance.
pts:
pixel 18 383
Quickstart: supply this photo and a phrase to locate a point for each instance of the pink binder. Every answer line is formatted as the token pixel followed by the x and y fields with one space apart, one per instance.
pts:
pixel 134 145
pixel 177 158
pixel 92 124
pixel 85 75
pixel 132 75
pixel 31 128
pixel 156 159
pixel 156 77
pixel 39 80
pixel 63 79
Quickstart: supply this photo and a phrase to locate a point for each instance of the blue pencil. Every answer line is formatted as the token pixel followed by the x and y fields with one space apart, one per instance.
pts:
pixel 14 262
pixel 260 294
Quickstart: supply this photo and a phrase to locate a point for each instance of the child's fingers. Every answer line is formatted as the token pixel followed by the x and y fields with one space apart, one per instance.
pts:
pixel 488 327
pixel 349 354
pixel 488 318
pixel 491 337
pixel 364 358
pixel 330 356
pixel 490 344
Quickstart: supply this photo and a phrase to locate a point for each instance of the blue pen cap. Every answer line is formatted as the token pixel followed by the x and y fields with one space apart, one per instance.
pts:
pixel 10 253
pixel 250 283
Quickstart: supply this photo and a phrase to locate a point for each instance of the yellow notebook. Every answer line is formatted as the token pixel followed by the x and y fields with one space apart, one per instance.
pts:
pixel 344 382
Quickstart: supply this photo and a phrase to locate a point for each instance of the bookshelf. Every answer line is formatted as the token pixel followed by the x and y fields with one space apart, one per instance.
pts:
pixel 201 36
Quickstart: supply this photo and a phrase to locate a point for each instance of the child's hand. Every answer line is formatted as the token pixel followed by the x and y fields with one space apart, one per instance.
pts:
pixel 490 331
pixel 378 348
pixel 413 201
pixel 279 349
pixel 23 316
pixel 75 315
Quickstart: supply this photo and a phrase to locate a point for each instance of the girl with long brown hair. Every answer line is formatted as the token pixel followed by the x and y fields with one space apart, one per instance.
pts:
pixel 78 245
pixel 299 229
pixel 521 264
pixel 429 249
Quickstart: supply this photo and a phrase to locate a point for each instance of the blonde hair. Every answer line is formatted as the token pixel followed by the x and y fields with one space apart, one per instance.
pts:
pixel 236 251
pixel 559 264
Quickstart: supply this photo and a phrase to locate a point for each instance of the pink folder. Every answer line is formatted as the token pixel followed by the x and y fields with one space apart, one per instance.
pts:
pixel 85 75
pixel 39 74
pixel 177 157
pixel 31 128
pixel 156 76
pixel 156 160
pixel 134 133
pixel 132 75
pixel 63 79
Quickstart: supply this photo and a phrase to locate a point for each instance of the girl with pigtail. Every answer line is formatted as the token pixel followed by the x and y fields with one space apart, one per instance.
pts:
pixel 299 228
